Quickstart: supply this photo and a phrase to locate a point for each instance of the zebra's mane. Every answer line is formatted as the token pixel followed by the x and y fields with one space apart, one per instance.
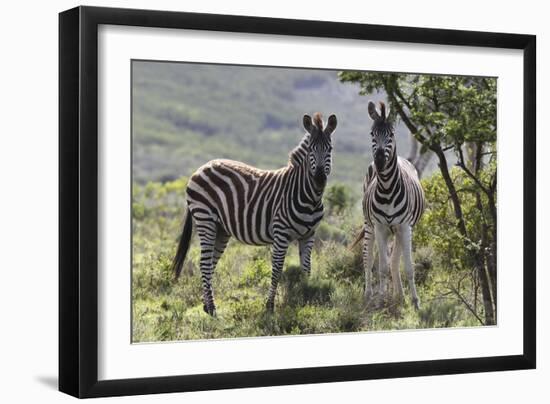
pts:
pixel 318 120
pixel 298 154
pixel 382 126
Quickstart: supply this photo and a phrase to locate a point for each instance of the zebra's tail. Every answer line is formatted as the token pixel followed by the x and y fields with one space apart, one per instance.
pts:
pixel 358 238
pixel 183 245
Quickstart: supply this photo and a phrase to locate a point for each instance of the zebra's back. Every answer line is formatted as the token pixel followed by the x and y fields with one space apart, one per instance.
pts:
pixel 241 198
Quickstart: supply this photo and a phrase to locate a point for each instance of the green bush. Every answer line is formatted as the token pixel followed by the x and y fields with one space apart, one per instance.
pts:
pixel 423 265
pixel 298 289
pixel 338 198
pixel 342 263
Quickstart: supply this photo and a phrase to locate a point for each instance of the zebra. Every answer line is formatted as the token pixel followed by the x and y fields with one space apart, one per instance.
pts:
pixel 393 202
pixel 259 207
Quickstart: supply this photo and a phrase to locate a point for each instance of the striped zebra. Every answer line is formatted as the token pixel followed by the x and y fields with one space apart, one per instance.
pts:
pixel 259 207
pixel 393 202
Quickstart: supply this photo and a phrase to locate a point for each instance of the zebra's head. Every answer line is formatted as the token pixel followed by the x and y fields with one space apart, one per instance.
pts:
pixel 383 139
pixel 320 147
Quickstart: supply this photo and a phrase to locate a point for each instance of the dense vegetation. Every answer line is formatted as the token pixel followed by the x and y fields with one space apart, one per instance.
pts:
pixel 218 112
pixel 330 300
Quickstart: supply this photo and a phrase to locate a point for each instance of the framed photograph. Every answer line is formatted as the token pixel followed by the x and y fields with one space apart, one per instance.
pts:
pixel 251 201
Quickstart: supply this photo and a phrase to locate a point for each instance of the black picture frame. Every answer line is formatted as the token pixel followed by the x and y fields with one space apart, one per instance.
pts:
pixel 78 201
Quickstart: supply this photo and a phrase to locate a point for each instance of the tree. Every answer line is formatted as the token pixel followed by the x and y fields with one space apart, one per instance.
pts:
pixel 446 115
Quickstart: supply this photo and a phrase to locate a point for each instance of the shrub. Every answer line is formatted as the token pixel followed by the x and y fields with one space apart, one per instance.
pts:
pixel 439 313
pixel 341 263
pixel 257 274
pixel 348 300
pixel 423 264
pixel 298 289
pixel 337 198
pixel 329 232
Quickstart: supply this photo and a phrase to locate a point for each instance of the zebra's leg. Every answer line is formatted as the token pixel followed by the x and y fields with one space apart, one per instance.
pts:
pixel 305 245
pixel 405 234
pixel 222 238
pixel 207 232
pixel 280 245
pixel 395 273
pixel 382 238
pixel 368 259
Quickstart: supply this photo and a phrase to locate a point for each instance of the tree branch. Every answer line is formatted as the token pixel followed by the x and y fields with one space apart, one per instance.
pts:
pixel 408 123
pixel 461 164
pixel 461 298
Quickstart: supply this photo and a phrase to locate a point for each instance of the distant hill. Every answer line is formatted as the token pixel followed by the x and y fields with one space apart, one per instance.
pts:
pixel 185 114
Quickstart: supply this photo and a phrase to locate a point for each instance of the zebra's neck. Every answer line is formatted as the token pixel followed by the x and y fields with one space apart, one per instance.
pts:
pixel 311 195
pixel 388 178
pixel 301 178
pixel 299 154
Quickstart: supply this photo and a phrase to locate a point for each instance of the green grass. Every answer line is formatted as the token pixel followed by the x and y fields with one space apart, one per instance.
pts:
pixel 330 300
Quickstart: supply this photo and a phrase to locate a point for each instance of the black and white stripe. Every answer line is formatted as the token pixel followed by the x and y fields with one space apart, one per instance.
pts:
pixel 393 202
pixel 227 198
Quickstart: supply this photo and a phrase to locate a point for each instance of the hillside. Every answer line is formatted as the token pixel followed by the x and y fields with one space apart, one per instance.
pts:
pixel 185 114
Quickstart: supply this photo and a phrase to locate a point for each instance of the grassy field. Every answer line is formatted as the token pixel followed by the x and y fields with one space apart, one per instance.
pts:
pixel 330 300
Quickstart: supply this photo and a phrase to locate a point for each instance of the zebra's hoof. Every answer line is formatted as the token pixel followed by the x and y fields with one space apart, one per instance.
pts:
pixel 416 303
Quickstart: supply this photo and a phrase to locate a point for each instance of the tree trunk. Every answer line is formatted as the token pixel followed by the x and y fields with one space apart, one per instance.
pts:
pixel 451 187
pixel 485 292
pixel 492 256
pixel 482 264
pixel 488 244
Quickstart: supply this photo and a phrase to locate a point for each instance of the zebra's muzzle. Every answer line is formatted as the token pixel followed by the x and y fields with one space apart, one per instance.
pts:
pixel 320 178
pixel 379 161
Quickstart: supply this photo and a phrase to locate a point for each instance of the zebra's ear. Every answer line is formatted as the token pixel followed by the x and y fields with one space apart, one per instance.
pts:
pixel 331 125
pixel 308 124
pixel 383 110
pixel 372 111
